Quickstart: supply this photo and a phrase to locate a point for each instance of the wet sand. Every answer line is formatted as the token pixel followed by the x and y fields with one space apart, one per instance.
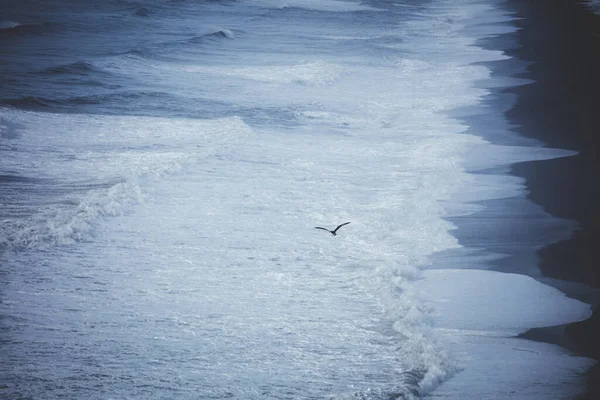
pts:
pixel 557 49
pixel 562 108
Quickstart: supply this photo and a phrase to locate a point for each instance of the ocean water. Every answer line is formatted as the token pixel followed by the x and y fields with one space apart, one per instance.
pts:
pixel 594 6
pixel 163 166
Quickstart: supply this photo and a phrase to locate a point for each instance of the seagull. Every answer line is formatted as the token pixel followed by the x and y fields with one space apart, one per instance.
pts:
pixel 333 232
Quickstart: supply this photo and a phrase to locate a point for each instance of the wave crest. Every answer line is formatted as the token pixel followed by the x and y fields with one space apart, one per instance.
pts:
pixel 61 224
pixel 219 34
pixel 8 27
pixel 8 24
pixel 122 153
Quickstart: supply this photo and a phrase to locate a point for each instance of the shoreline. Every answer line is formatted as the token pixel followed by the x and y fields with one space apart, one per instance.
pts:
pixel 561 38
pixel 554 52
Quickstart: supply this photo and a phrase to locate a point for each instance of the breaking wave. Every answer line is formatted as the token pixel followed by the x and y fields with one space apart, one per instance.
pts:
pixel 68 221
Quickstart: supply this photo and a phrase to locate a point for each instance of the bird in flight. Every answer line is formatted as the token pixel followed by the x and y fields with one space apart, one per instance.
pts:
pixel 333 232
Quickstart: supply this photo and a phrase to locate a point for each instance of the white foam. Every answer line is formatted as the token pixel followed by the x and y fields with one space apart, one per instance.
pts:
pixel 476 313
pixel 317 73
pixel 107 146
pixel 496 302
pixel 107 160
pixel 482 156
pixel 498 367
pixel 331 5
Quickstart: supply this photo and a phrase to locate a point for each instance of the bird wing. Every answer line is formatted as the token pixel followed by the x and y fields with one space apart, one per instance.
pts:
pixel 339 226
pixel 325 229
